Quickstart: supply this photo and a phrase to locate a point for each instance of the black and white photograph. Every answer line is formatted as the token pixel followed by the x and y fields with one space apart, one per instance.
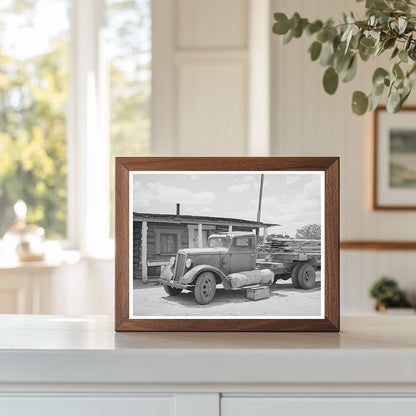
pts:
pixel 227 244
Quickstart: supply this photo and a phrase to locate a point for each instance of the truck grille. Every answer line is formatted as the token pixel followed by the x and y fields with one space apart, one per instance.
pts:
pixel 179 266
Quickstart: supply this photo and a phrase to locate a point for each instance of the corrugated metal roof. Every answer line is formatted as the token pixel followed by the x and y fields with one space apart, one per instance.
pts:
pixel 196 219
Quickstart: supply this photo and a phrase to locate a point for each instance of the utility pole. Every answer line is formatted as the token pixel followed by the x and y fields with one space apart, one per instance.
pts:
pixel 260 200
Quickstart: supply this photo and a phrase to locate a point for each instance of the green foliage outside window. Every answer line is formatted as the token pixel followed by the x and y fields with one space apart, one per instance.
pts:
pixel 34 104
pixel 33 99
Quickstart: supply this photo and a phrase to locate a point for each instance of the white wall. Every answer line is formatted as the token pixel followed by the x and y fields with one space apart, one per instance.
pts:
pixel 308 122
pixel 206 69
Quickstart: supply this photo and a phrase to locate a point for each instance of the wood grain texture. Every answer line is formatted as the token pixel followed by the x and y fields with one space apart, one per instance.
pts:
pixel 378 245
pixel 376 204
pixel 330 165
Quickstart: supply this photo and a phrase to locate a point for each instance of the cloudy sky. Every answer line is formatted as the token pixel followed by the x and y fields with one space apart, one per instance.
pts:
pixel 290 199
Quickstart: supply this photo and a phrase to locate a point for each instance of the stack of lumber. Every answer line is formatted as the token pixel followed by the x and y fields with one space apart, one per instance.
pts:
pixel 289 245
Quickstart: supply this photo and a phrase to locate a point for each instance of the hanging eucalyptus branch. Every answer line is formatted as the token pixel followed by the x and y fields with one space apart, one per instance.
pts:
pixel 389 27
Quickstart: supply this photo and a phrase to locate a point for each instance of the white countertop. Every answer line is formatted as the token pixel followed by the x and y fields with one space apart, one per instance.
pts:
pixel 52 349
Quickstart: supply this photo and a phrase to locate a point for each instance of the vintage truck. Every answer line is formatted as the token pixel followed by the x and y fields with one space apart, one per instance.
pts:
pixel 231 260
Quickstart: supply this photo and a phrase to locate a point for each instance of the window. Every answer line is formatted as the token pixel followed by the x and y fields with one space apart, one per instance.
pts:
pixel 168 243
pixel 243 242
pixel 129 46
pixel 215 242
pixel 33 112
pixel 75 87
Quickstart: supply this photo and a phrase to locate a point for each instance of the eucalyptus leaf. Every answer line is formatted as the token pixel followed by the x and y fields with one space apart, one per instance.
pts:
pixel 330 80
pixel 314 27
pixel 376 4
pixel 403 56
pixel 408 42
pixel 395 52
pixel 281 27
pixel 327 54
pixel 374 102
pixel 359 103
pixel 288 37
pixel 350 73
pixel 315 50
pixel 339 44
pixel 379 75
pixel 378 89
pixel 393 101
pixel 389 43
pixel 397 71
pixel 402 22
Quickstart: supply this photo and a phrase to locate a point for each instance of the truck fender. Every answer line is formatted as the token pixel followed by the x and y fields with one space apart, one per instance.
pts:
pixel 190 276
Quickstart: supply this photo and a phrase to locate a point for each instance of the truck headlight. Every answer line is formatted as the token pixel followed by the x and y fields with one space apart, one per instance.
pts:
pixel 172 261
pixel 188 263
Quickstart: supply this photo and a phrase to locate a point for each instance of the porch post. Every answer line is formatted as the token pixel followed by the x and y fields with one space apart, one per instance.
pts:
pixel 200 235
pixel 230 228
pixel 144 251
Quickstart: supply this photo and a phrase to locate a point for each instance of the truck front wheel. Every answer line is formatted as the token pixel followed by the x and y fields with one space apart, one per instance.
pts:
pixel 205 288
pixel 172 291
pixel 306 276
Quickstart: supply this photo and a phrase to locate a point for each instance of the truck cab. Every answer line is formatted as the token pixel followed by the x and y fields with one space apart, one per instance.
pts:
pixel 226 253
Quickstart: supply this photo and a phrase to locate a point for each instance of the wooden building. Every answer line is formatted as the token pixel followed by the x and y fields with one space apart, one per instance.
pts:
pixel 157 237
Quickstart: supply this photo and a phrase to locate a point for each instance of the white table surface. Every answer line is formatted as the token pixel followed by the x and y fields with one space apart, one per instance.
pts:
pixel 49 349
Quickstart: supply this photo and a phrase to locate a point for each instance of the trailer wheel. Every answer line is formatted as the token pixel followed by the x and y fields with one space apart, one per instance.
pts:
pixel 306 276
pixel 294 275
pixel 205 288
pixel 172 291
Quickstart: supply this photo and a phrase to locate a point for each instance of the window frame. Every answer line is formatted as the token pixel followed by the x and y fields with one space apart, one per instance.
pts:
pixel 167 235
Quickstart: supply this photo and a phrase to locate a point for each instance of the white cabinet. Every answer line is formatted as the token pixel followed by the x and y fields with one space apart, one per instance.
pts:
pixel 88 406
pixel 79 366
pixel 272 406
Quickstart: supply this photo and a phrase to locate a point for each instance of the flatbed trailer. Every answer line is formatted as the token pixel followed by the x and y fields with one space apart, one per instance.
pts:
pixel 295 259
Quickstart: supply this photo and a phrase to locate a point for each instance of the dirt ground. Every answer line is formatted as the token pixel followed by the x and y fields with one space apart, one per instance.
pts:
pixel 150 299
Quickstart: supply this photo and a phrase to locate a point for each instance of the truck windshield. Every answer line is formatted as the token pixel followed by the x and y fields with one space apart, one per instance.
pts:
pixel 214 242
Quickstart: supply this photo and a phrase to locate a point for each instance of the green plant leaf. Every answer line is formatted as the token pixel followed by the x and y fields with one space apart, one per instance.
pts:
pixel 281 27
pixel 389 43
pixel 351 71
pixel 395 52
pixel 314 27
pixel 376 4
pixel 315 50
pixel 393 101
pixel 374 102
pixel 408 42
pixel 397 71
pixel 330 80
pixel 403 56
pixel 402 22
pixel 341 61
pixel 379 75
pixel 327 53
pixel 288 37
pixel 359 103
pixel 298 30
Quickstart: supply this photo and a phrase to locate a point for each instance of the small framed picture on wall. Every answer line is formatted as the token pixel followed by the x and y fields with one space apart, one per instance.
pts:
pixel 394 178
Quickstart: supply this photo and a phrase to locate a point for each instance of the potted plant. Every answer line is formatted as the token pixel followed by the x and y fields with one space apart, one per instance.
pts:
pixel 387 294
pixel 389 27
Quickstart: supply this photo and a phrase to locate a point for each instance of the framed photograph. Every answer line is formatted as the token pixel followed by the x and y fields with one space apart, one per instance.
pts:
pixel 227 244
pixel 395 159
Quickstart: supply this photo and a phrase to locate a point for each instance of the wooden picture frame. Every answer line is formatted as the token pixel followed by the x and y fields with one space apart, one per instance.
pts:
pixel 390 191
pixel 327 168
